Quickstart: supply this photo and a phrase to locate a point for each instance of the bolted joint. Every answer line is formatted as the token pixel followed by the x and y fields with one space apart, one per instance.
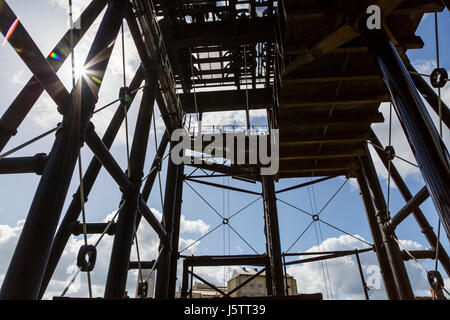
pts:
pixel 134 185
pixel 76 197
pixel 4 128
pixel 59 129
pixel 381 215
pixel 39 161
pixel 388 227
pixel 159 164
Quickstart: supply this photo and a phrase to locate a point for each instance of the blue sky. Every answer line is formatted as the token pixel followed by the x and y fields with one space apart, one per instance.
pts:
pixel 46 21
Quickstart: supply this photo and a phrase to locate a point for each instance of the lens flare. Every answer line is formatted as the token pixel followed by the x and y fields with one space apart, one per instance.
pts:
pixel 96 80
pixel 112 43
pixel 55 56
pixel 11 31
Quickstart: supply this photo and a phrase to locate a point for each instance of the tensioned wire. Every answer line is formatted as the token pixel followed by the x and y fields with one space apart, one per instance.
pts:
pixel 80 165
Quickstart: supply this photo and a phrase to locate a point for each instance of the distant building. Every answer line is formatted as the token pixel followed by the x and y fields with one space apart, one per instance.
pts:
pixel 201 290
pixel 256 287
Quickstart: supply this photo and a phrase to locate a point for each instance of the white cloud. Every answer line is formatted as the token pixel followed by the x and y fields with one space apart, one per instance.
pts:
pixel 197 226
pixel 344 275
pixel 77 5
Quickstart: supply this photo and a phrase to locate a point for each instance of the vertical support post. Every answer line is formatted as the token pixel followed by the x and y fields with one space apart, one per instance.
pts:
pixel 426 144
pixel 26 270
pixel 162 279
pixel 176 231
pixel 285 276
pixel 269 287
pixel 185 281
pixel 377 237
pixel 361 274
pixel 272 235
pixel 192 282
pixel 400 276
pixel 123 239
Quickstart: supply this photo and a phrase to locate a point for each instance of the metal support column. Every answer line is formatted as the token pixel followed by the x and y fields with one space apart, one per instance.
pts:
pixel 175 236
pixel 426 144
pixel 26 270
pixel 162 277
pixel 273 235
pixel 123 240
pixel 375 230
pixel 401 280
pixel 185 280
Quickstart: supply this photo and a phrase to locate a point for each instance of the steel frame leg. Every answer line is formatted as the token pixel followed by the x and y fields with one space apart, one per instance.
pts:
pixel 375 230
pixel 170 199
pixel 273 235
pixel 393 253
pixel 176 232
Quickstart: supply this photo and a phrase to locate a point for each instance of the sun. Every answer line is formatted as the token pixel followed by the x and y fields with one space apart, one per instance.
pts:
pixel 79 71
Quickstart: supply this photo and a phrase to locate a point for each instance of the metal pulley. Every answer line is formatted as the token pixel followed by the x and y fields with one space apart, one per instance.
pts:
pixel 125 95
pixel 435 280
pixel 86 258
pixel 389 152
pixel 439 77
